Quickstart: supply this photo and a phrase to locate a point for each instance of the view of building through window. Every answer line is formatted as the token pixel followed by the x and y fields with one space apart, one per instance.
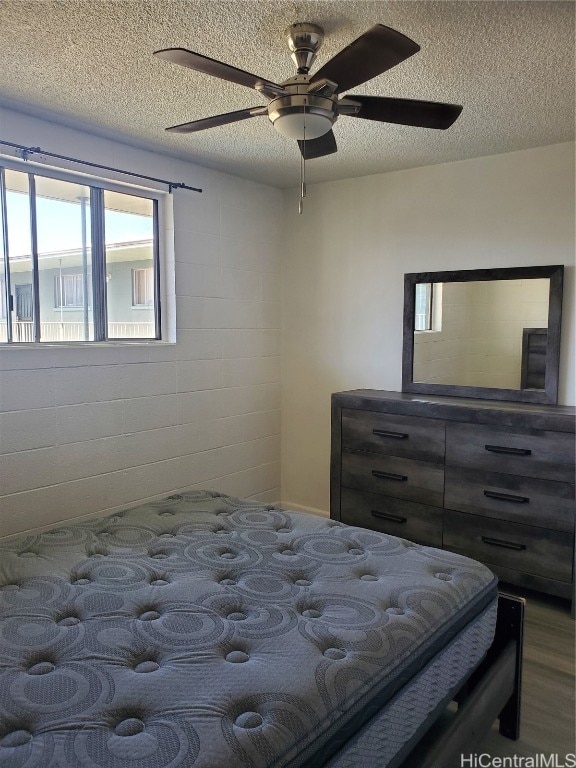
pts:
pixel 47 255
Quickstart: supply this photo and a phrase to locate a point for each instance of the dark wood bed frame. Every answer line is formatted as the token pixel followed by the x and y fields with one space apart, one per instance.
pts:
pixel 492 692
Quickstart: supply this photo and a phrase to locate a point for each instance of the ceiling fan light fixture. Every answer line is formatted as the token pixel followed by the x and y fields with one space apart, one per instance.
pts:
pixel 300 126
pixel 302 116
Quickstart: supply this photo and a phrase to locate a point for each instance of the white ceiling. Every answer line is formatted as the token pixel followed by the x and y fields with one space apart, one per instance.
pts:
pixel 90 64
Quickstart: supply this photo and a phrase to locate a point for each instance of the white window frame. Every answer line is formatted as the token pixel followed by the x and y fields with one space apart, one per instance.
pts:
pixel 163 253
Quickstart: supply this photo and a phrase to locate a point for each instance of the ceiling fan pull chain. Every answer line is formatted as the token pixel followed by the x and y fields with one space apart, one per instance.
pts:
pixel 302 179
pixel 303 191
pixel 303 169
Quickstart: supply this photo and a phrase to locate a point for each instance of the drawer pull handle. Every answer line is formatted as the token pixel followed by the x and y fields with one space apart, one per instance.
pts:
pixel 502 543
pixel 385 433
pixel 388 516
pixel 508 450
pixel 389 476
pixel 507 497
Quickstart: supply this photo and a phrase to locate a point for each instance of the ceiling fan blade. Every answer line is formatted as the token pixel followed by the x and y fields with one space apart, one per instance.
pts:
pixel 323 145
pixel 214 122
pixel 422 114
pixel 374 52
pixel 218 69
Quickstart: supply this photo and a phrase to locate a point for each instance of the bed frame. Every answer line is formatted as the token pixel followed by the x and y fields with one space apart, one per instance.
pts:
pixel 492 692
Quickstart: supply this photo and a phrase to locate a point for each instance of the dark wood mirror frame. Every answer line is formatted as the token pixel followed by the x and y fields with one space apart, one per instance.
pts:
pixel 547 395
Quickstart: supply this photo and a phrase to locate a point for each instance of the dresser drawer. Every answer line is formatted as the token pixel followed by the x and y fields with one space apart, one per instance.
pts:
pixel 511 545
pixel 398 517
pixel 393 476
pixel 531 453
pixel 408 436
pixel 544 503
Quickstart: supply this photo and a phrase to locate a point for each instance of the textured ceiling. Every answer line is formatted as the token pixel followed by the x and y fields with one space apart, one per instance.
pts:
pixel 90 64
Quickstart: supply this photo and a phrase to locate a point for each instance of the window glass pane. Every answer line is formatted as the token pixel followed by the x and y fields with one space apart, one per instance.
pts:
pixel 64 260
pixel 20 254
pixel 130 268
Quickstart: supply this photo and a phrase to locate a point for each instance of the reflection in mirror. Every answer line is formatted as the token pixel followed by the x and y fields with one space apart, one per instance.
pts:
pixel 483 333
pixel 492 333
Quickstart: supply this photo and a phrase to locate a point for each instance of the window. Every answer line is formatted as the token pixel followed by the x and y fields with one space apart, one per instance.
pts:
pixel 142 287
pixel 423 313
pixel 68 291
pixel 78 257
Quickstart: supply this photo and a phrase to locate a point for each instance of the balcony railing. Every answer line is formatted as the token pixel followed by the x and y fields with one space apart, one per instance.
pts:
pixel 23 330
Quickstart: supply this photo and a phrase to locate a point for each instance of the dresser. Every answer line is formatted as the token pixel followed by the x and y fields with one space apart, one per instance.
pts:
pixel 490 480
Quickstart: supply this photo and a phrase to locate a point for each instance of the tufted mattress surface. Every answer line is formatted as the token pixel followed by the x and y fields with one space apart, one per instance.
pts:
pixel 202 631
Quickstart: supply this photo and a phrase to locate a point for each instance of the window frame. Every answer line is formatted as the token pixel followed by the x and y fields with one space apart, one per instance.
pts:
pixel 98 296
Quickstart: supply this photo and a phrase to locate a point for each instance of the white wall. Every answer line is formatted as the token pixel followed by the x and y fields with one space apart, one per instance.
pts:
pixel 86 429
pixel 343 267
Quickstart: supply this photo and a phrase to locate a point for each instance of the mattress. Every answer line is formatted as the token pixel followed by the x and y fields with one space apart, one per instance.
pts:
pixel 207 631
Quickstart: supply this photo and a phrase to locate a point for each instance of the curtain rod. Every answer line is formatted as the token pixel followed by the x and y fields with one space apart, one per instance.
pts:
pixel 26 152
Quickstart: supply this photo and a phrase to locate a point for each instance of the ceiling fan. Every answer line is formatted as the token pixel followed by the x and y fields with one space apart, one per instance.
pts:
pixel 305 107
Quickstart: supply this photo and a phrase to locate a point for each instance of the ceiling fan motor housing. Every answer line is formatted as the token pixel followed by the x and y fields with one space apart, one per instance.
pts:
pixel 304 40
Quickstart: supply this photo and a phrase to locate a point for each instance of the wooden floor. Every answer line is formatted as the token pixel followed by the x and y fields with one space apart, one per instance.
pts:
pixel 548 684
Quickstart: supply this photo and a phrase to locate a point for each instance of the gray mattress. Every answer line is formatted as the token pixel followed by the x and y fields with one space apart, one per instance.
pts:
pixel 205 631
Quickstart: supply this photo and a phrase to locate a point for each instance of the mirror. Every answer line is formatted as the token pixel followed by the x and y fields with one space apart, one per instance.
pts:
pixel 484 333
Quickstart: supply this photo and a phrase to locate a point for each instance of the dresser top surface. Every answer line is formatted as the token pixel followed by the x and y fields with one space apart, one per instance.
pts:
pixel 554 417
